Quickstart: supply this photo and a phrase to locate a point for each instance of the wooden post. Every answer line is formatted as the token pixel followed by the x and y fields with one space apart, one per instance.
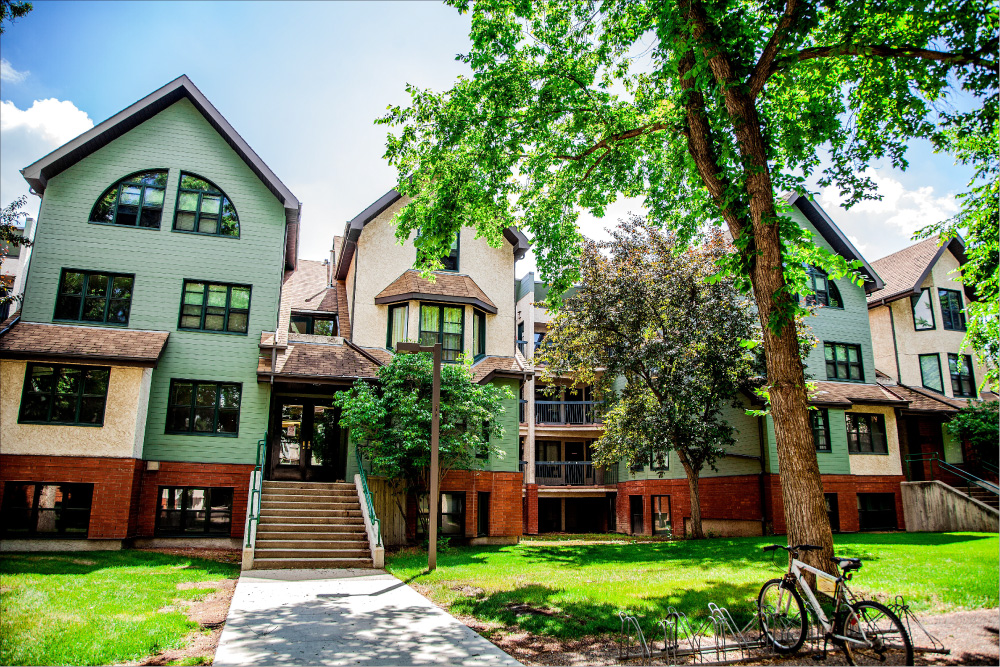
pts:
pixel 435 493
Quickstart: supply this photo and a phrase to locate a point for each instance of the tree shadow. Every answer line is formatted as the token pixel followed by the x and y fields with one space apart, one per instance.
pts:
pixel 87 562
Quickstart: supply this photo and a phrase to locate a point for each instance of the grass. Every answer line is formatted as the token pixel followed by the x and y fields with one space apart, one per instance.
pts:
pixel 97 607
pixel 573 587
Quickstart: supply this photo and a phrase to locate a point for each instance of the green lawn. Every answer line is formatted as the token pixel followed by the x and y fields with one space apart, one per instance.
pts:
pixel 97 607
pixel 571 587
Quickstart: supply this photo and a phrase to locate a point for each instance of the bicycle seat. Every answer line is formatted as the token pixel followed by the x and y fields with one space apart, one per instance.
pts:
pixel 847 564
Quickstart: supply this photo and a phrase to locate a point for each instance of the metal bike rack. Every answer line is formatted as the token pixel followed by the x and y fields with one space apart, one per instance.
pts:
pixel 910 620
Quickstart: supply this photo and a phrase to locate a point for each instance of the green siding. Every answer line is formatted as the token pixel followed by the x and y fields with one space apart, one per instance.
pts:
pixel 178 138
pixel 833 462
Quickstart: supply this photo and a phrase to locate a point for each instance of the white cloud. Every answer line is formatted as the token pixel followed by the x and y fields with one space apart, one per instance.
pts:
pixel 29 134
pixel 9 74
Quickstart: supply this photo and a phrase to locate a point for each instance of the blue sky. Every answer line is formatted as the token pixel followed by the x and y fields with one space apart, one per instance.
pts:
pixel 302 83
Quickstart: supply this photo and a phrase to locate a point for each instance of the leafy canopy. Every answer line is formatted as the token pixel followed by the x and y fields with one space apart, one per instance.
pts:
pixel 979 423
pixel 390 422
pixel 11 226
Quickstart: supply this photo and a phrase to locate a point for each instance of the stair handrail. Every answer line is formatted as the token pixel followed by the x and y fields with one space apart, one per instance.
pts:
pixel 253 503
pixel 376 524
pixel 958 472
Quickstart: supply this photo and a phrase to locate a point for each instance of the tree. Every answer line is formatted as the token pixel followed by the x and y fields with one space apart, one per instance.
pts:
pixel 10 10
pixel 704 108
pixel 978 423
pixel 390 421
pixel 10 235
pixel 979 222
pixel 650 312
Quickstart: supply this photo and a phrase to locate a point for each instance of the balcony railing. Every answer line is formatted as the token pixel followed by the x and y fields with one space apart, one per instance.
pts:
pixel 566 412
pixel 572 473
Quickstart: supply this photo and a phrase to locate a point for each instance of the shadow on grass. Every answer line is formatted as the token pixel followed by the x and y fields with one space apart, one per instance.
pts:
pixel 87 562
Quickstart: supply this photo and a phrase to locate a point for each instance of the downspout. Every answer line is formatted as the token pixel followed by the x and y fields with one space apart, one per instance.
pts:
pixel 354 287
pixel 895 348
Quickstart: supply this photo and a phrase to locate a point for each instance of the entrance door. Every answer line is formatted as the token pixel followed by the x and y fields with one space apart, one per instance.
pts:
pixel 308 445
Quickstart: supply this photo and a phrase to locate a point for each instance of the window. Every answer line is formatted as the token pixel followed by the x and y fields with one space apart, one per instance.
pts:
pixel 450 263
pixel 73 395
pixel 877 511
pixel 923 312
pixel 832 511
pixel 930 372
pixel 452 519
pixel 194 511
pixel 826 293
pixel 202 208
pixel 952 309
pixel 866 434
pixel 478 334
pixel 843 362
pixel 315 325
pixel 134 201
pixel 820 421
pixel 204 408
pixel 94 297
pixel 46 509
pixel 963 382
pixel 398 317
pixel 445 325
pixel 215 307
pixel 661 515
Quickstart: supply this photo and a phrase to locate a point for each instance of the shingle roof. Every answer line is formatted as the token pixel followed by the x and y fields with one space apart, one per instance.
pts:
pixel 848 393
pixel 328 361
pixel 489 367
pixel 24 340
pixel 307 288
pixel 905 271
pixel 924 401
pixel 446 288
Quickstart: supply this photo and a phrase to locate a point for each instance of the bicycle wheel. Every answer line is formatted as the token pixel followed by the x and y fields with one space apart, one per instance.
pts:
pixel 782 617
pixel 879 637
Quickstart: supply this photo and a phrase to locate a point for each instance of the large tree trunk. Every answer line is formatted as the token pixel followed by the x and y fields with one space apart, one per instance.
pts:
pixel 697 532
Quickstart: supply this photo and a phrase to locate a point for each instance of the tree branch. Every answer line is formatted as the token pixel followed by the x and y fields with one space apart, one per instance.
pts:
pixel 611 139
pixel 762 71
pixel 883 51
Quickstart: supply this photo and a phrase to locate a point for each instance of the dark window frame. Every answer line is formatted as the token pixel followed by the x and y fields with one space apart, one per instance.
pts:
pixel 454 256
pixel 957 378
pixel 406 324
pixel 311 323
pixel 914 300
pixel 953 310
pixel 819 422
pixel 937 357
pixel 837 361
pixel 204 307
pixel 60 294
pixel 127 181
pixel 193 406
pixel 653 513
pixel 10 496
pixel 478 338
pixel 440 332
pixel 854 435
pixel 80 395
pixel 184 511
pixel 223 200
pixel 423 515
pixel 829 297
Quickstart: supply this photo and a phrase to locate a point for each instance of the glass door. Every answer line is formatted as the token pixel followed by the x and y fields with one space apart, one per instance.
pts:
pixel 308 445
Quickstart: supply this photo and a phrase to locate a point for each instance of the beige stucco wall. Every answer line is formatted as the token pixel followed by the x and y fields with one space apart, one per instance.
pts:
pixel 380 259
pixel 120 437
pixel 912 343
pixel 879 464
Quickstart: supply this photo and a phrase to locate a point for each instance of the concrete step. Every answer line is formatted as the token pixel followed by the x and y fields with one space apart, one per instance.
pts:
pixel 346 526
pixel 310 563
pixel 314 486
pixel 307 513
pixel 337 554
pixel 296 495
pixel 279 518
pixel 328 536
pixel 334 544
pixel 268 503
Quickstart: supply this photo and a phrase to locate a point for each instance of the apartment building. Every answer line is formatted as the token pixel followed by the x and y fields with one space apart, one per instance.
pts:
pixel 14 267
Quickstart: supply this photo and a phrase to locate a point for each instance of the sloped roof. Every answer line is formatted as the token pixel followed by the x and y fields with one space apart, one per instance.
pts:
pixel 31 340
pixel 38 173
pixel 847 393
pixel 307 288
pixel 922 400
pixel 331 361
pixel 490 367
pixel 906 270
pixel 446 288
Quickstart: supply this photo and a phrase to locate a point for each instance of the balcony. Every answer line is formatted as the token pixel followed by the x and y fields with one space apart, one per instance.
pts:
pixel 563 413
pixel 572 473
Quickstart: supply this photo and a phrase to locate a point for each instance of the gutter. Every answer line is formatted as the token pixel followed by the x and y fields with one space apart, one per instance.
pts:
pixel 895 347
pixel 17 318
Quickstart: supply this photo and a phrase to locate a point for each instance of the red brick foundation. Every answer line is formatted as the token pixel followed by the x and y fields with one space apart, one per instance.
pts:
pixel 173 473
pixel 734 498
pixel 115 485
pixel 506 505
pixel 847 488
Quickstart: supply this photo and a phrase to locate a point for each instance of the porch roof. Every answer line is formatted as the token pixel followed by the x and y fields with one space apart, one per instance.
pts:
pixel 38 341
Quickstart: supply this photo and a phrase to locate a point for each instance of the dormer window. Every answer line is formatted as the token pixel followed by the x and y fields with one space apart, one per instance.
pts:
pixel 202 208
pixel 825 292
pixel 314 325
pixel 134 201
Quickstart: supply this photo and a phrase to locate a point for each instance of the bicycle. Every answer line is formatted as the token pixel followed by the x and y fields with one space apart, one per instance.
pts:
pixel 868 632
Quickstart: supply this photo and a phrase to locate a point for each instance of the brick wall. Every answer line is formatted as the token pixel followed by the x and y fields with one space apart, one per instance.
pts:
pixel 847 488
pixel 735 498
pixel 114 481
pixel 506 506
pixel 173 473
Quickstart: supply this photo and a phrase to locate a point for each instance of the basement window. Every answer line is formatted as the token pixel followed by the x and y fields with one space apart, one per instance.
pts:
pixel 194 511
pixel 44 509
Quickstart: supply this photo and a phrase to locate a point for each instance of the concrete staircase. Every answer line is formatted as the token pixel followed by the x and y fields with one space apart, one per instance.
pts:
pixel 310 525
pixel 985 496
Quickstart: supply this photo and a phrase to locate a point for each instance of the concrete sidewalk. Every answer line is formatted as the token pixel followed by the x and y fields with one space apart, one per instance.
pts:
pixel 343 617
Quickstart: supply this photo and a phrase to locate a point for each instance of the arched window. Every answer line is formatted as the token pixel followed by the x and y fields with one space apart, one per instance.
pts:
pixel 826 291
pixel 134 201
pixel 203 208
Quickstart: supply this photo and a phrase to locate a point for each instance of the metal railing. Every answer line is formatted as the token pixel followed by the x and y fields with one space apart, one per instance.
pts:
pixel 572 473
pixel 253 503
pixel 967 477
pixel 566 412
pixel 368 498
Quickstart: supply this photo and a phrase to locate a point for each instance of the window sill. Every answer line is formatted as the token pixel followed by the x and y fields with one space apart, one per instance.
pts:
pixel 44 423
pixel 218 236
pixel 830 379
pixel 193 534
pixel 89 323
pixel 211 331
pixel 868 453
pixel 824 451
pixel 9 535
pixel 115 224
pixel 203 433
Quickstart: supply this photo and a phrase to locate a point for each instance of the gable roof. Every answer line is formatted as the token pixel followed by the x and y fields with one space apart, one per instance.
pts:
pixel 829 230
pixel 906 270
pixel 38 173
pixel 446 288
pixel 353 231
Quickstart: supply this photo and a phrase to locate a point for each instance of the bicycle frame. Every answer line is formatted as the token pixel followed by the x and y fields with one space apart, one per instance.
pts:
pixel 795 572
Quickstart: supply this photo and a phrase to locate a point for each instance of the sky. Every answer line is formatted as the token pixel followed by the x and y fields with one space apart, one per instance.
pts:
pixel 303 83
